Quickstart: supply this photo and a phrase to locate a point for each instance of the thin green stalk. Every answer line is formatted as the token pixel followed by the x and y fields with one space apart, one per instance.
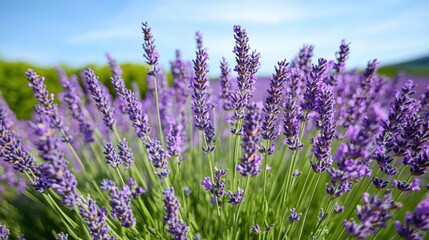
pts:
pixel 235 161
pixel 307 208
pixel 160 134
pixel 237 215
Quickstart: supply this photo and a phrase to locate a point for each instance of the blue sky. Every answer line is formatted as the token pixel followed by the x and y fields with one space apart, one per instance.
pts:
pixel 50 32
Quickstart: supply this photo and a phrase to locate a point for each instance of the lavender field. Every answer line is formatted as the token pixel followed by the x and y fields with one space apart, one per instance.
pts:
pixel 311 152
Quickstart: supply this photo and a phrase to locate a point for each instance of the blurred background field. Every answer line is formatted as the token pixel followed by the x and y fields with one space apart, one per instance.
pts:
pixel 21 100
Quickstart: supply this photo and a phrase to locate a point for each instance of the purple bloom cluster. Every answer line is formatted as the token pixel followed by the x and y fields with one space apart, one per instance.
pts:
pixel 75 105
pixel 133 108
pixel 200 99
pixel 175 140
pixel 99 97
pixel 272 102
pixel 294 216
pixel 226 85
pixel 54 172
pixel 158 156
pixel 151 56
pixel 246 68
pixel 217 188
pixel 250 163
pixel 416 223
pixel 325 122
pixel 112 157
pixel 62 236
pixel 291 123
pixel 125 153
pixel 176 227
pixel 313 86
pixel 46 99
pixel 341 56
pixel 372 215
pixel 95 218
pixel 12 152
pixel 120 200
pixel 4 232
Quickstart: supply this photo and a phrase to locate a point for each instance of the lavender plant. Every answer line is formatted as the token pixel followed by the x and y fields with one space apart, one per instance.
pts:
pixel 322 154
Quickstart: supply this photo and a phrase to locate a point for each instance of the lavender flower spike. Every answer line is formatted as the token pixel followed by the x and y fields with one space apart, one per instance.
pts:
pixel 373 214
pixel 416 223
pixel 158 156
pixel 120 202
pixel 125 153
pixel 62 236
pixel 95 218
pixel 46 99
pixel 112 157
pixel 99 97
pixel 4 232
pixel 176 227
pixel 272 102
pixel 226 85
pixel 200 99
pixel 11 151
pixel 151 56
pixel 250 163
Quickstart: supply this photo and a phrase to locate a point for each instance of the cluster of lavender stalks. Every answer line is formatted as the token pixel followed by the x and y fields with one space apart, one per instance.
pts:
pixel 323 154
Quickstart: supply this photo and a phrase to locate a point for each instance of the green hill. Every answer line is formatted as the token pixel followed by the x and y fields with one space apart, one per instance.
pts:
pixel 416 67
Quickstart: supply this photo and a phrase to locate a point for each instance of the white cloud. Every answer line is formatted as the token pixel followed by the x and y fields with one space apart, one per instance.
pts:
pixel 105 34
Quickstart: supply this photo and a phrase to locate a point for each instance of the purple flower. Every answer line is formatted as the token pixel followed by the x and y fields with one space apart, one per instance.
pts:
pixel 11 151
pixel 199 39
pixel 139 120
pixel 200 99
pixel 217 186
pixel 46 99
pixel 95 218
pixel 158 156
pixel 275 96
pixel 62 236
pixel 176 227
pixel 112 157
pixel 321 215
pixel 150 54
pixel 291 123
pixel 294 216
pixel 416 223
pixel 207 183
pixel 187 191
pixel 54 170
pixel 236 198
pixel 99 97
pixel 250 163
pixel 325 122
pixel 338 208
pixel 379 183
pixel 75 105
pixel 4 232
pixel 256 229
pixel 341 56
pixel 120 203
pixel 372 215
pixel 226 85
pixel 175 139
pixel 303 60
pixel 115 69
pixel 404 186
pixel 125 153
pixel 247 65
pixel 312 90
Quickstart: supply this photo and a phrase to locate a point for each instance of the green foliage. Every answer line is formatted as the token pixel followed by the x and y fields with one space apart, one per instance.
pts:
pixel 20 98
